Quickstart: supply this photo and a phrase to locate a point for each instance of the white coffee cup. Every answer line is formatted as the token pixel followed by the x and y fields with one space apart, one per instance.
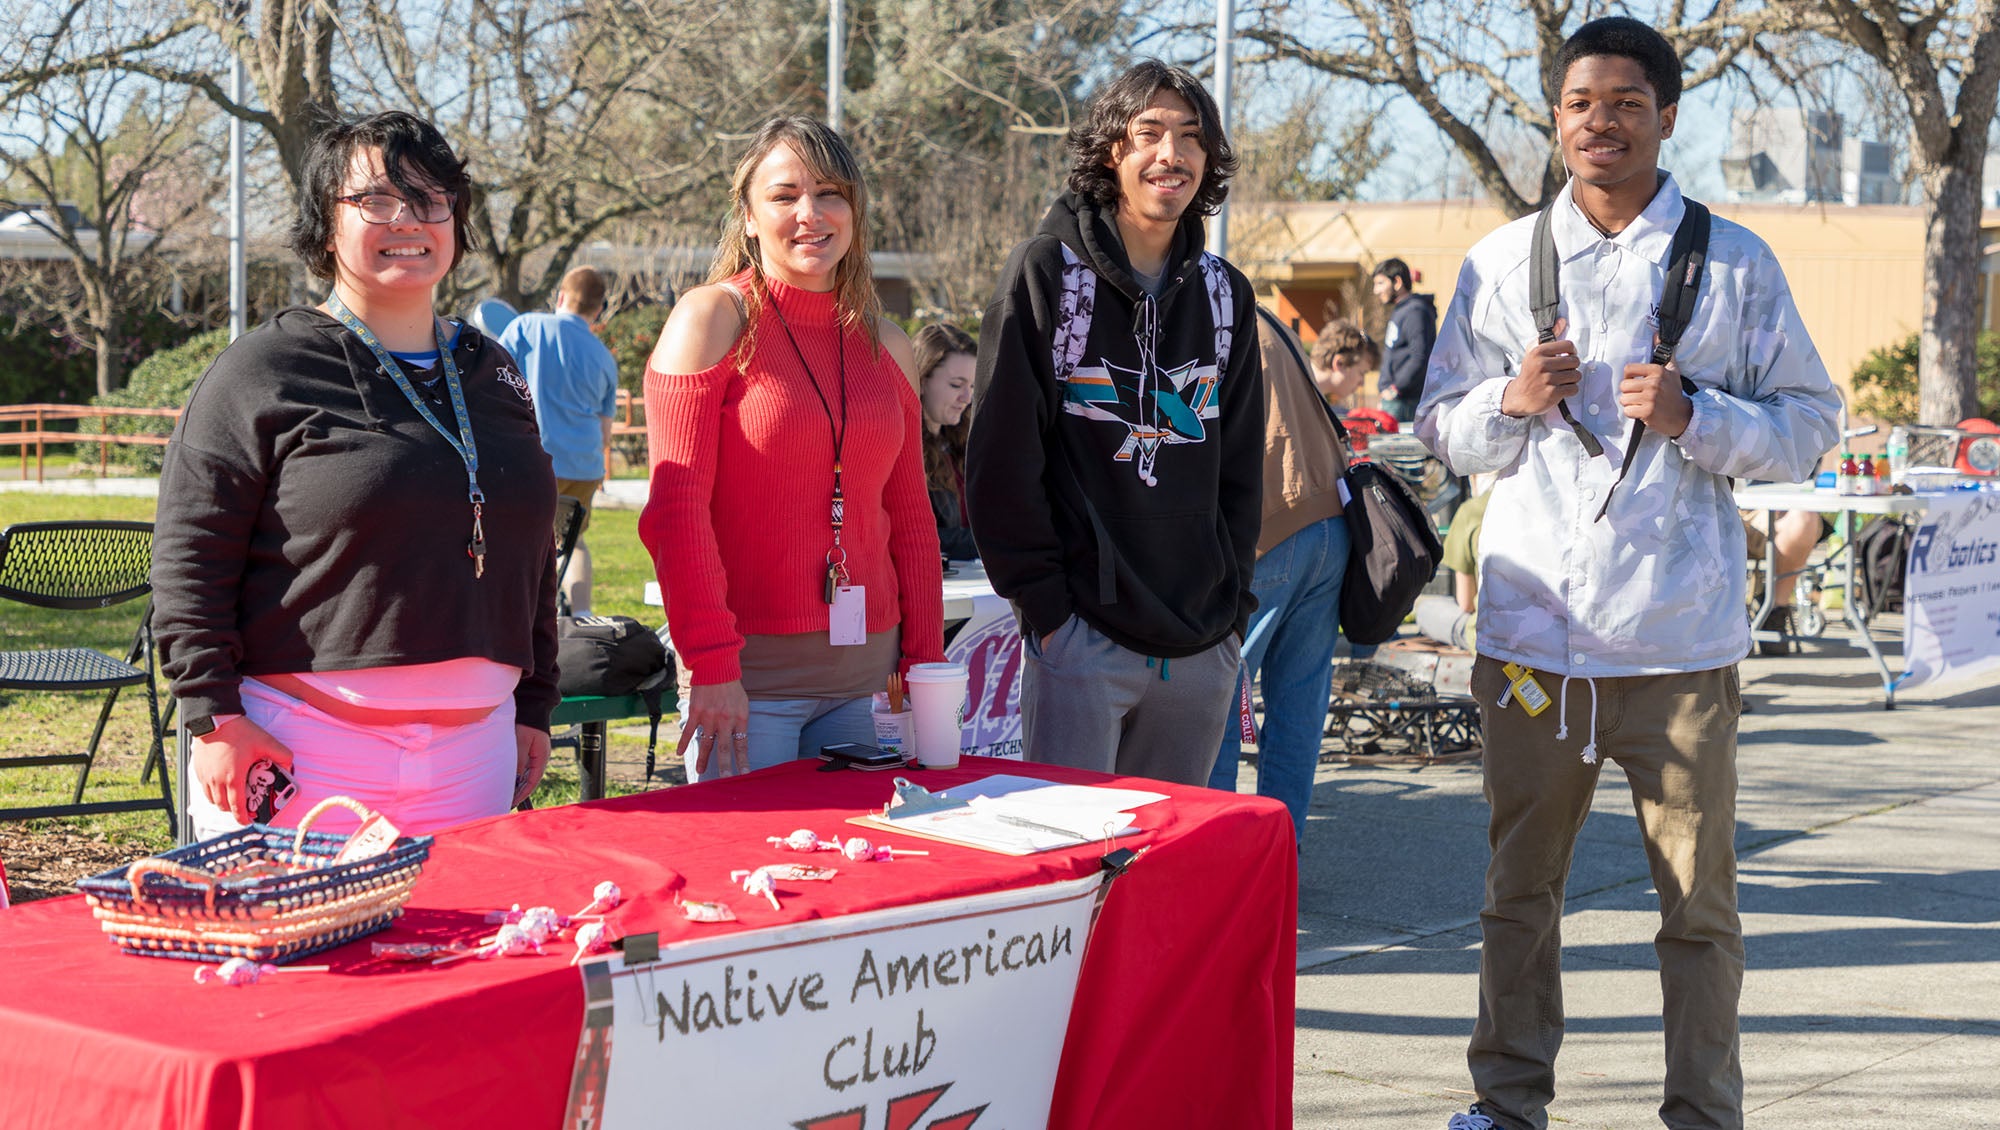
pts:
pixel 937 696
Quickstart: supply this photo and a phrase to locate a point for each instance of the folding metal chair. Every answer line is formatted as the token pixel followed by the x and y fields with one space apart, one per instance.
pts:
pixel 74 566
pixel 569 530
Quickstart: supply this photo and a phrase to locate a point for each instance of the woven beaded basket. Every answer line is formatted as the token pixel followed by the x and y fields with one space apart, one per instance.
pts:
pixel 262 893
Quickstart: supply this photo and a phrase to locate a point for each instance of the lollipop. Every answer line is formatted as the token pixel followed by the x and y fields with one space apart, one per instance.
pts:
pixel 242 971
pixel 759 882
pixel 861 851
pixel 413 951
pixel 605 897
pixel 805 839
pixel 592 938
pixel 511 941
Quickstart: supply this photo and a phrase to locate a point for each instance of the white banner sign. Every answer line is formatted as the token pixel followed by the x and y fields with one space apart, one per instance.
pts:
pixel 941 1016
pixel 990 647
pixel 1951 591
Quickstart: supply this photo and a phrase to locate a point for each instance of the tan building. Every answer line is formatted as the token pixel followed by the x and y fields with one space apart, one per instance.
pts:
pixel 1857 273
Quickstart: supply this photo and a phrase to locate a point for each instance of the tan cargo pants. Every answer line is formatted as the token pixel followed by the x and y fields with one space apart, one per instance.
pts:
pixel 1675 737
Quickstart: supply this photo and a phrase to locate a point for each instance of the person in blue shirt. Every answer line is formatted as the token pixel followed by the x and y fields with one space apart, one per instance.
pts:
pixel 574 380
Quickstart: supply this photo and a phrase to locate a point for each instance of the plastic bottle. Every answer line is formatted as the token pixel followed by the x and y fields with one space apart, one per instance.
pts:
pixel 1868 485
pixel 1849 480
pixel 1899 453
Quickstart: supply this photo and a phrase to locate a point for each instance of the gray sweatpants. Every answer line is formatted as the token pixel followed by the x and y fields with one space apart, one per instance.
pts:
pixel 1090 703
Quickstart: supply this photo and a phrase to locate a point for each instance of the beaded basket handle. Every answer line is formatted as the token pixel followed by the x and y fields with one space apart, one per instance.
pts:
pixel 136 875
pixel 305 825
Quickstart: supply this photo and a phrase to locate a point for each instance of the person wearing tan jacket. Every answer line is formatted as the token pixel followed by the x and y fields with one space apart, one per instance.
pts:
pixel 1301 560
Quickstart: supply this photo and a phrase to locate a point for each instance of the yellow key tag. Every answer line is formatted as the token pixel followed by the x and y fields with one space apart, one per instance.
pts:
pixel 1522 685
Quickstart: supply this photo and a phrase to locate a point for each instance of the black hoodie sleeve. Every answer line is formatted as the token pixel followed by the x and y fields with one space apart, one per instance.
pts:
pixel 1240 493
pixel 212 483
pixel 1015 403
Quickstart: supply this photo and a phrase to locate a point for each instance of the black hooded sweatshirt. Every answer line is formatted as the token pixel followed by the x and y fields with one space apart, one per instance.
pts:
pixel 1406 351
pixel 1126 488
pixel 310 520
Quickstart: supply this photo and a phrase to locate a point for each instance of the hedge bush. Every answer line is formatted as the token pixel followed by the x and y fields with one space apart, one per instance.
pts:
pixel 631 333
pixel 160 381
pixel 1885 383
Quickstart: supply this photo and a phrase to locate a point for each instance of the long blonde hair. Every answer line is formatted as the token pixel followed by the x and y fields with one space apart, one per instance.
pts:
pixel 829 159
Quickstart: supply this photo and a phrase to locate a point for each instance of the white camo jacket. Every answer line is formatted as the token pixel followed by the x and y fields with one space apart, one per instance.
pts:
pixel 1657 585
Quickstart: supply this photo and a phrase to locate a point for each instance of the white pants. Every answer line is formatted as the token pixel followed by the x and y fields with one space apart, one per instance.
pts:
pixel 422 777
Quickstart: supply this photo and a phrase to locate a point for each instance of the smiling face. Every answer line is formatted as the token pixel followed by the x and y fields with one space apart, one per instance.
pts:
pixel 1384 289
pixel 800 225
pixel 948 391
pixel 1611 124
pixel 404 257
pixel 1160 162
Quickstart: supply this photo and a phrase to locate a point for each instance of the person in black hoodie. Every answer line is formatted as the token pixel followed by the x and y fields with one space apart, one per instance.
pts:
pixel 1114 470
pixel 1406 346
pixel 353 561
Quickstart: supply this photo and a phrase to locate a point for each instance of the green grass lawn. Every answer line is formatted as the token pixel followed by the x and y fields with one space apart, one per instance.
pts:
pixel 40 723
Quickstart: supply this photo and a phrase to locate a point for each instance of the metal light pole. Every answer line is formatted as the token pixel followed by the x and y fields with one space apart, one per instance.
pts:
pixel 238 290
pixel 836 61
pixel 1225 26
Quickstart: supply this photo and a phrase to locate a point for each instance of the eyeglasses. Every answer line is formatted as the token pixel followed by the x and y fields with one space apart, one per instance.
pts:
pixel 383 208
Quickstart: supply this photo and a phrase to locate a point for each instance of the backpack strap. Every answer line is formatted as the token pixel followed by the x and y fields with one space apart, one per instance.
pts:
pixel 1074 308
pixel 1221 308
pixel 1677 296
pixel 1683 285
pixel 1544 298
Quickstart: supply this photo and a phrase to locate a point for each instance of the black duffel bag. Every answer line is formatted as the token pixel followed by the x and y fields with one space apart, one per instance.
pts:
pixel 612 656
pixel 1394 553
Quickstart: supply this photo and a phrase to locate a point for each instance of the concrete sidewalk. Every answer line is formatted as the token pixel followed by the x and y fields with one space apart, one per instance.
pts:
pixel 1870 888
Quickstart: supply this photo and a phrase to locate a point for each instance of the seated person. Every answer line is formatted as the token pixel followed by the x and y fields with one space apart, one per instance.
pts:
pixel 1452 620
pixel 945 355
pixel 1797 532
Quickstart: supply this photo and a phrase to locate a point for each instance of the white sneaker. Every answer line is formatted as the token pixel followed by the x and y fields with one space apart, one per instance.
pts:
pixel 1471 1120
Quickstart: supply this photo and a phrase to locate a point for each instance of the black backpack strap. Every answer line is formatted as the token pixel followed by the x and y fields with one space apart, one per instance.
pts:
pixel 1305 369
pixel 1677 296
pixel 1544 298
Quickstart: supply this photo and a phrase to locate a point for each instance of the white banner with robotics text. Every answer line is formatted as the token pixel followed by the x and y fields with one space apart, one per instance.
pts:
pixel 1951 591
pixel 940 1016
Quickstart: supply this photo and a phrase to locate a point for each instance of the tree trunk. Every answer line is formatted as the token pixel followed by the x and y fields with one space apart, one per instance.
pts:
pixel 110 357
pixel 1948 358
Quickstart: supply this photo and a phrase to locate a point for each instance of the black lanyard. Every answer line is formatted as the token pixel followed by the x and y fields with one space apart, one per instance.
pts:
pixel 463 443
pixel 836 558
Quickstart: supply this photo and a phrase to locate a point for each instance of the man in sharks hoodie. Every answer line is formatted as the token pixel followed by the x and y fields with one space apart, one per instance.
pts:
pixel 1114 470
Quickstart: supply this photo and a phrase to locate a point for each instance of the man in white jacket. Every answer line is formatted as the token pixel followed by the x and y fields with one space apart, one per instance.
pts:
pixel 1616 634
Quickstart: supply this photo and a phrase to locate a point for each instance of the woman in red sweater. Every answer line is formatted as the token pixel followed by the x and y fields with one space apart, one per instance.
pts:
pixel 788 518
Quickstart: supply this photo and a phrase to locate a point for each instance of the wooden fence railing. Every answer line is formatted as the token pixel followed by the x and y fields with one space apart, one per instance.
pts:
pixel 28 426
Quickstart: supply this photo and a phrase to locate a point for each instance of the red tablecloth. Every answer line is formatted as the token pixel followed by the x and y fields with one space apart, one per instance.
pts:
pixel 1183 1017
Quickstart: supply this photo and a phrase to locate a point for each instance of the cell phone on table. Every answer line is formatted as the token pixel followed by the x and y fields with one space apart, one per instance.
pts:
pixel 266 789
pixel 854 755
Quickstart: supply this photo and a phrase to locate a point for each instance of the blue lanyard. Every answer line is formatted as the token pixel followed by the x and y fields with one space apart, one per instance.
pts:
pixel 463 442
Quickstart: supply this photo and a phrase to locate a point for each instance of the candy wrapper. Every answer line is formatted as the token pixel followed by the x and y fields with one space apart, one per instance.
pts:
pixel 604 898
pixel 240 971
pixel 593 938
pixel 707 911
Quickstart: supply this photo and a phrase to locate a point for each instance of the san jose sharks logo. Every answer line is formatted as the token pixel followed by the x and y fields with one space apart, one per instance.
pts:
pixel 1158 406
pixel 1163 407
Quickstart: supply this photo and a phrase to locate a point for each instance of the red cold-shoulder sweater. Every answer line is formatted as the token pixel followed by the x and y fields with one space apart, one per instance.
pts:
pixel 737 517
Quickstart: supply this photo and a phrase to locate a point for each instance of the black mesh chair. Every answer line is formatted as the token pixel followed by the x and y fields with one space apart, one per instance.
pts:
pixel 75 566
pixel 569 530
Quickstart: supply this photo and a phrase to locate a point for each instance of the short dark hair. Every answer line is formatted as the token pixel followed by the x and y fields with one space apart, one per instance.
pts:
pixel 1396 271
pixel 415 157
pixel 1108 120
pixel 1627 37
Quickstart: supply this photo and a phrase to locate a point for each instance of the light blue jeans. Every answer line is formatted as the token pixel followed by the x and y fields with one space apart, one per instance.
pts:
pixel 1289 651
pixel 786 729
